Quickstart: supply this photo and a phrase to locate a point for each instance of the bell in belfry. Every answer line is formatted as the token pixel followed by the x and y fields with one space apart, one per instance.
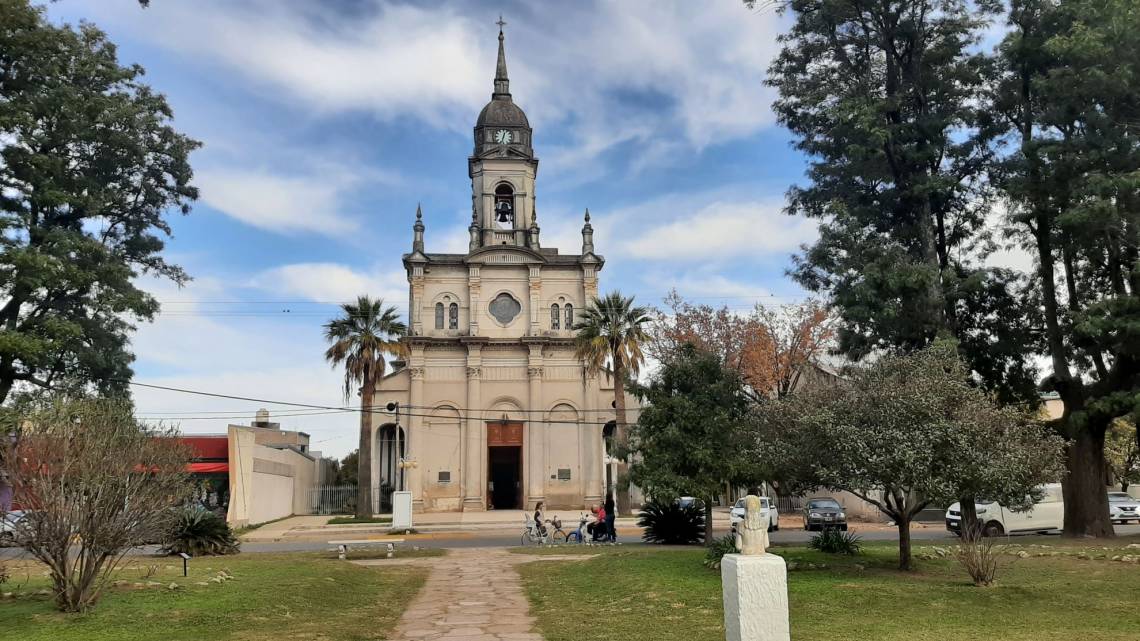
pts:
pixel 503 212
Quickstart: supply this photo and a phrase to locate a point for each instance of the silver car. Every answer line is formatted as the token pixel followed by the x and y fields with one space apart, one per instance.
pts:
pixel 1122 508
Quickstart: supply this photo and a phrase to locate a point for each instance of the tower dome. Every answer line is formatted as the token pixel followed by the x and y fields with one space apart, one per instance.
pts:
pixel 502 128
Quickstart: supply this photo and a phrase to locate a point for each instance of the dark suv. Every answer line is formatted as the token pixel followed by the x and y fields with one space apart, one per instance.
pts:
pixel 823 513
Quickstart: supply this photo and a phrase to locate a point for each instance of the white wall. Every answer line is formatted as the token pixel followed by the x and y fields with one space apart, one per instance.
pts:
pixel 273 497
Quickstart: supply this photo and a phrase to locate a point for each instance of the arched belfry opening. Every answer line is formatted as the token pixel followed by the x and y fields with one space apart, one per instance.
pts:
pixel 504 207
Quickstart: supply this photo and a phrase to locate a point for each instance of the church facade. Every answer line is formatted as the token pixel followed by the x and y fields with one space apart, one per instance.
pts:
pixel 495 411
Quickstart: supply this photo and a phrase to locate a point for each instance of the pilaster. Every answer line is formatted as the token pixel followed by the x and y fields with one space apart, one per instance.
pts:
pixel 594 455
pixel 474 292
pixel 474 438
pixel 415 421
pixel 416 278
pixel 536 439
pixel 535 279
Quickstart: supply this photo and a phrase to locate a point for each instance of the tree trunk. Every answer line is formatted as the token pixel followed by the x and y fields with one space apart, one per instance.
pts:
pixel 969 513
pixel 905 562
pixel 1086 503
pixel 364 454
pixel 708 522
pixel 621 436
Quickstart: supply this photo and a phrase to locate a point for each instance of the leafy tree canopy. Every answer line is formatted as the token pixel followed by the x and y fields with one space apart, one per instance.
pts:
pixel 690 437
pixel 907 432
pixel 89 167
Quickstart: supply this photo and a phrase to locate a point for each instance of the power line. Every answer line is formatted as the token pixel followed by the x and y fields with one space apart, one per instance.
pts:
pixel 369 409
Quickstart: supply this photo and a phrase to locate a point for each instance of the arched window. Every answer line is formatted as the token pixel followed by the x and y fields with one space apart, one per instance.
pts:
pixel 555 317
pixel 453 316
pixel 439 315
pixel 569 316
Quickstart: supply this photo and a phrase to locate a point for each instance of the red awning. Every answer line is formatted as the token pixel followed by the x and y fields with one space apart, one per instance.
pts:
pixel 202 468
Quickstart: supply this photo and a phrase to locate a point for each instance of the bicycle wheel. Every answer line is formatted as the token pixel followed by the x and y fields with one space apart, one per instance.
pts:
pixel 559 536
pixel 525 539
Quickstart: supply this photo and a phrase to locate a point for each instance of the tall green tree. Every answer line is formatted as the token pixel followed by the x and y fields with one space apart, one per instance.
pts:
pixel 691 437
pixel 1070 97
pixel 907 432
pixel 886 99
pixel 89 167
pixel 359 339
pixel 883 97
pixel 612 329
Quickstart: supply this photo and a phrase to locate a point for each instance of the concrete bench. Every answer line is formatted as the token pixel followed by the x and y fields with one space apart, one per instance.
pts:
pixel 342 546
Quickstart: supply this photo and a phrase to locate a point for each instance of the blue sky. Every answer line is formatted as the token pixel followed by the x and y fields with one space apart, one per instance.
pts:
pixel 325 123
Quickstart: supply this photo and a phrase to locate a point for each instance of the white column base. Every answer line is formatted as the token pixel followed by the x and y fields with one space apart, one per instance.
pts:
pixel 755 597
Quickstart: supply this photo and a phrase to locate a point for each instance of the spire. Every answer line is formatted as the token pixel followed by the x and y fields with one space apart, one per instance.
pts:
pixel 418 229
pixel 587 235
pixel 502 84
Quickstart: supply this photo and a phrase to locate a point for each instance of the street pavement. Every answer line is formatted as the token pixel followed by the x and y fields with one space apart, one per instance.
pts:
pixel 511 538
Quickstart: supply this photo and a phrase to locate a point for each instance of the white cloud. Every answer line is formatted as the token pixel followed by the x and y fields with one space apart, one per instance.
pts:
pixel 722 230
pixel 333 282
pixel 612 72
pixel 279 203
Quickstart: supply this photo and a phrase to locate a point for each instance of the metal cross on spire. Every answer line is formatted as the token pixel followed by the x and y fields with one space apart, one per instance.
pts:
pixel 502 23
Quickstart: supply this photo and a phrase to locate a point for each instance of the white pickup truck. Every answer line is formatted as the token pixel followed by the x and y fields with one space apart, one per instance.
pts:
pixel 1046 515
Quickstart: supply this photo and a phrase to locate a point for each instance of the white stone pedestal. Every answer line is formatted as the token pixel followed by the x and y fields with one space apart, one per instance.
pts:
pixel 755 597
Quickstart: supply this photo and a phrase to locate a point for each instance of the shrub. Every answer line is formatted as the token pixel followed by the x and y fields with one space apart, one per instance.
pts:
pixel 836 542
pixel 199 532
pixel 980 555
pixel 669 523
pixel 720 547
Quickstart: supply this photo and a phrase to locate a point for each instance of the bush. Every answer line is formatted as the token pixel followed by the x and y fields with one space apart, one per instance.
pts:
pixel 836 542
pixel 199 532
pixel 671 524
pixel 979 554
pixel 720 547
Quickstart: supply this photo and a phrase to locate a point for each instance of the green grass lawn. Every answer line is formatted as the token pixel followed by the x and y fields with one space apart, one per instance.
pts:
pixel 272 596
pixel 660 595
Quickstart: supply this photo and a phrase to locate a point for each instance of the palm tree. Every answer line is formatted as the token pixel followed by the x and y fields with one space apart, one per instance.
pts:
pixel 612 329
pixel 359 339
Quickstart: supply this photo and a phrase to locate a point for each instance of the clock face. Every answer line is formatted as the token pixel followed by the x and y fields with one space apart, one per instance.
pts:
pixel 502 136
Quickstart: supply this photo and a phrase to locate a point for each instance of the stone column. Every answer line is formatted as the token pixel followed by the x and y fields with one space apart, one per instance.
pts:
pixel 536 432
pixel 415 421
pixel 593 466
pixel 475 454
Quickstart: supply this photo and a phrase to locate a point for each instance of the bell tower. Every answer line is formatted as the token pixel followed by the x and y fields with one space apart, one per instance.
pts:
pixel 502 168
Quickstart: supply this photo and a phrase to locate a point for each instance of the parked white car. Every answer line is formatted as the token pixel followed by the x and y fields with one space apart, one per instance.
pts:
pixel 1122 508
pixel 767 505
pixel 8 527
pixel 1047 515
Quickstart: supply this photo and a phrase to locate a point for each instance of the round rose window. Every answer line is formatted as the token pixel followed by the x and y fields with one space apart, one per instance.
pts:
pixel 504 308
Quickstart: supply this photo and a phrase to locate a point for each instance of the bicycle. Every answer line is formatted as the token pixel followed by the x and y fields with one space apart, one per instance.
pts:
pixel 557 534
pixel 532 534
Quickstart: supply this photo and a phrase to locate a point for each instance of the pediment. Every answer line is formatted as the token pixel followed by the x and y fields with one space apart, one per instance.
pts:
pixel 504 255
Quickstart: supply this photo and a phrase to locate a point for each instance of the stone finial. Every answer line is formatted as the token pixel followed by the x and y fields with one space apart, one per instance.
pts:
pixel 418 231
pixel 752 532
pixel 587 235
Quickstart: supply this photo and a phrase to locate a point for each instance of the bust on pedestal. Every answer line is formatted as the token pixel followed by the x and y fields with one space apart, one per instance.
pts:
pixel 755 583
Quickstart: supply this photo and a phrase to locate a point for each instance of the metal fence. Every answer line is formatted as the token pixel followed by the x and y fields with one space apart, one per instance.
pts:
pixel 341 499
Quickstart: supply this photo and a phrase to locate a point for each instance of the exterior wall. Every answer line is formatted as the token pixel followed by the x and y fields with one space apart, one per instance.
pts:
pixel 266 483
